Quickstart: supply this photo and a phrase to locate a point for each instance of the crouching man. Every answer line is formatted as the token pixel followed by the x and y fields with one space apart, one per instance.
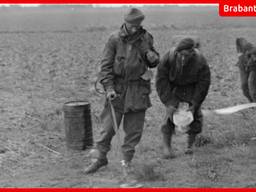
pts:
pixel 183 76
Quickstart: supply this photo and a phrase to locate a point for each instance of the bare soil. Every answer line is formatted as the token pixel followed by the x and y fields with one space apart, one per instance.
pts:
pixel 50 57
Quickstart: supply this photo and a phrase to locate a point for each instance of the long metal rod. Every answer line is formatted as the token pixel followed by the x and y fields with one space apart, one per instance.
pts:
pixel 115 126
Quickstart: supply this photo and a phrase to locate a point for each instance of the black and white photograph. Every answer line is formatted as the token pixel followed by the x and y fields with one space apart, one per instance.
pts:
pixel 126 96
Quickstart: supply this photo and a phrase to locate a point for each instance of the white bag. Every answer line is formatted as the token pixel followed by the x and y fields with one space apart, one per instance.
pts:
pixel 182 118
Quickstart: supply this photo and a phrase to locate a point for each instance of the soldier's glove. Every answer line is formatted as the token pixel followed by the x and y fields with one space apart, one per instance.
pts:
pixel 170 111
pixel 192 109
pixel 111 94
pixel 151 56
pixel 148 75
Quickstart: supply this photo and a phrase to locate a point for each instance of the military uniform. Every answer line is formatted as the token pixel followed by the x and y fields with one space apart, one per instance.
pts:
pixel 188 84
pixel 247 67
pixel 122 67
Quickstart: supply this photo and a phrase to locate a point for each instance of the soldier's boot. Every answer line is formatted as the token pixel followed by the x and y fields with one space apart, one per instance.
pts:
pixel 97 163
pixel 190 143
pixel 129 179
pixel 168 152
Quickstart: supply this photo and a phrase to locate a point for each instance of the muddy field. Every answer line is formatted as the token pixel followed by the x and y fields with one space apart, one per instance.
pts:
pixel 51 56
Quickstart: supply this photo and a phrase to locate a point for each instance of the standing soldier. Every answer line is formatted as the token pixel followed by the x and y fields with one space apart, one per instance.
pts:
pixel 124 75
pixel 183 76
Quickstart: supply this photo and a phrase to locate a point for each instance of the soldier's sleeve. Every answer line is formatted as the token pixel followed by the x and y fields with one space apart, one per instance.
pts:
pixel 106 75
pixel 164 87
pixel 202 87
pixel 244 75
pixel 152 48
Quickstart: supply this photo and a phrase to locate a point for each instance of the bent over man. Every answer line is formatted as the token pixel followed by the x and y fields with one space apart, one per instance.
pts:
pixel 247 67
pixel 124 75
pixel 183 76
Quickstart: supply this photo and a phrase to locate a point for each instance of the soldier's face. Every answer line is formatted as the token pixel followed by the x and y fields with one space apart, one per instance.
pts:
pixel 251 57
pixel 132 28
pixel 185 56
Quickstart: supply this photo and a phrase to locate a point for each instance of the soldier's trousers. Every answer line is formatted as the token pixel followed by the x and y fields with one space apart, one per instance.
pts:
pixel 194 128
pixel 248 83
pixel 133 123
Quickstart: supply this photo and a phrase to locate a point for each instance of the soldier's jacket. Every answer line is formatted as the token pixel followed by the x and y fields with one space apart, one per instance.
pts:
pixel 124 62
pixel 243 63
pixel 190 86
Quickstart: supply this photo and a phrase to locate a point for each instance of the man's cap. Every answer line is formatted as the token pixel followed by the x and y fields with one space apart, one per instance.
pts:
pixel 134 16
pixel 186 43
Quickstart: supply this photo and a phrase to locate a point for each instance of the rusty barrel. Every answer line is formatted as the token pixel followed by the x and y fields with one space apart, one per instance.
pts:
pixel 78 125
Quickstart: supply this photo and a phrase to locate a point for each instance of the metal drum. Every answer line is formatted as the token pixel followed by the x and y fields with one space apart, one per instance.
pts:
pixel 78 125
